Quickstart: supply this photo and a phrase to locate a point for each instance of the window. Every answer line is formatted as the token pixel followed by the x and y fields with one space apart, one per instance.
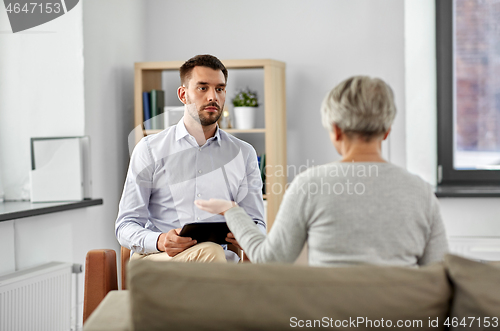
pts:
pixel 468 73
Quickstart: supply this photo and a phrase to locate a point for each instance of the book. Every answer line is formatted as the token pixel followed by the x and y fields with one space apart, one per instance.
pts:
pixel 157 105
pixel 262 167
pixel 146 110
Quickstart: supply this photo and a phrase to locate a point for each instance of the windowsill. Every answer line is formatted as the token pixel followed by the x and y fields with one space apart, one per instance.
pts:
pixel 10 210
pixel 456 191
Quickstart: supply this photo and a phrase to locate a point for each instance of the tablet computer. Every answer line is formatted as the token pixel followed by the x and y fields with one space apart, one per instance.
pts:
pixel 206 231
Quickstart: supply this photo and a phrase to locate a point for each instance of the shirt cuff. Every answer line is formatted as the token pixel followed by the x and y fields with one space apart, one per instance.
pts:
pixel 150 242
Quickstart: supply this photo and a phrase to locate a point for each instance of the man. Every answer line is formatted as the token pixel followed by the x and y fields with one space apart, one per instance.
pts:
pixel 191 160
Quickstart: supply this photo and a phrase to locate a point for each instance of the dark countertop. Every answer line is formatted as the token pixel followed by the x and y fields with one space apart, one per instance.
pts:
pixel 10 210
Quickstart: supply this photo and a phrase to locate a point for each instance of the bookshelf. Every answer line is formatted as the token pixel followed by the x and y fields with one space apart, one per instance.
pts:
pixel 148 76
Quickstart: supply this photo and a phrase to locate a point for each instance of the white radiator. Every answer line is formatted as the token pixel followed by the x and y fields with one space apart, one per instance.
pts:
pixel 36 299
pixel 476 248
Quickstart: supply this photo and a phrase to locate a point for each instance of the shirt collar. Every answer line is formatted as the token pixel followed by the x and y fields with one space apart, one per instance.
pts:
pixel 217 135
pixel 181 132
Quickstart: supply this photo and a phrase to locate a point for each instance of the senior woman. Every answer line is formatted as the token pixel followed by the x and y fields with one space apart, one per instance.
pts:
pixel 356 211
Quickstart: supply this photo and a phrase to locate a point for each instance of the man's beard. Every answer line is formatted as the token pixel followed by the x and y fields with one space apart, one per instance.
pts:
pixel 205 119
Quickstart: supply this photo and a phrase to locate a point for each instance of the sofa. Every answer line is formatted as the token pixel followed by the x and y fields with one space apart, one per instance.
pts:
pixel 458 294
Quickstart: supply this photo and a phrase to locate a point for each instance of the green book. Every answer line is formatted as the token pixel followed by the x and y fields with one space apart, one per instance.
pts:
pixel 157 105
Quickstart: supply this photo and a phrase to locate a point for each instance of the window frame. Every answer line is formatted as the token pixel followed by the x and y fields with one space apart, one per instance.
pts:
pixel 447 175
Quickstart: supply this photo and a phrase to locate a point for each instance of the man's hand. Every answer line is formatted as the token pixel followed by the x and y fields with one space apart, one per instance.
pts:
pixel 172 243
pixel 230 238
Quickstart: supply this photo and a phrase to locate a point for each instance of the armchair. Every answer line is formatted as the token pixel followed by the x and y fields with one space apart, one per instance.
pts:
pixel 101 275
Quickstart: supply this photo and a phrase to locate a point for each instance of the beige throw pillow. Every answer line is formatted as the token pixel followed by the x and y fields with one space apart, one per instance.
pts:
pixel 196 296
pixel 476 300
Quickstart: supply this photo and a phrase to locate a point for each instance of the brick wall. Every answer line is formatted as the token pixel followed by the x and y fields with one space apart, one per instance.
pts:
pixel 477 69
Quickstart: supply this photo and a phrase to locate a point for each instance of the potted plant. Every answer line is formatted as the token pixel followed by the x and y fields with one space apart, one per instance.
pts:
pixel 245 103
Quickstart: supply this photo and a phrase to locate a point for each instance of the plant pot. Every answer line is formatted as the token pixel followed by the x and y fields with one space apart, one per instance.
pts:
pixel 245 117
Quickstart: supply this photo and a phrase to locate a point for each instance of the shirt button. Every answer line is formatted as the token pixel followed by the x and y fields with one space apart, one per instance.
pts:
pixel 198 218
pixel 199 171
pixel 199 195
pixel 199 149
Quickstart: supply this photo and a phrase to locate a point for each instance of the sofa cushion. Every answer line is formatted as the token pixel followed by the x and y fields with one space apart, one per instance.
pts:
pixel 112 314
pixel 476 293
pixel 196 296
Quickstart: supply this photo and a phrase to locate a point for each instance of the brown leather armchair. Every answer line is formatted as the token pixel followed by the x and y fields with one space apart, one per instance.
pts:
pixel 100 278
pixel 101 275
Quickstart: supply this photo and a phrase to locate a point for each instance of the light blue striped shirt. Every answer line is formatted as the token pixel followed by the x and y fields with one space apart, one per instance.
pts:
pixel 168 171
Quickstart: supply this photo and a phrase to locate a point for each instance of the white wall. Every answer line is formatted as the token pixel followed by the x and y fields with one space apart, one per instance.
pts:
pixel 420 89
pixel 113 39
pixel 74 81
pixel 41 94
pixel 321 41
pixel 41 91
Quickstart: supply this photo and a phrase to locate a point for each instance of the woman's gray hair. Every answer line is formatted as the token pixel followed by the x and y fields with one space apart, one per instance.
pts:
pixel 360 105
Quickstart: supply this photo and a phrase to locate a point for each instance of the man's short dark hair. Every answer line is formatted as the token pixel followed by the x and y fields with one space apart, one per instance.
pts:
pixel 205 60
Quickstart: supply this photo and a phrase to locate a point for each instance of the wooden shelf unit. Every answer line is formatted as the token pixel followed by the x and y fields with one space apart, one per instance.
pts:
pixel 148 76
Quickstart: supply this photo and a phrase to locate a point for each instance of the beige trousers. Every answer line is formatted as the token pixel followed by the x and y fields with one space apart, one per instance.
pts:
pixel 203 252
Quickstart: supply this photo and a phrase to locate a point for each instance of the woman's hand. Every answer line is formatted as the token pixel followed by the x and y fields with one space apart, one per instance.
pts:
pixel 215 206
